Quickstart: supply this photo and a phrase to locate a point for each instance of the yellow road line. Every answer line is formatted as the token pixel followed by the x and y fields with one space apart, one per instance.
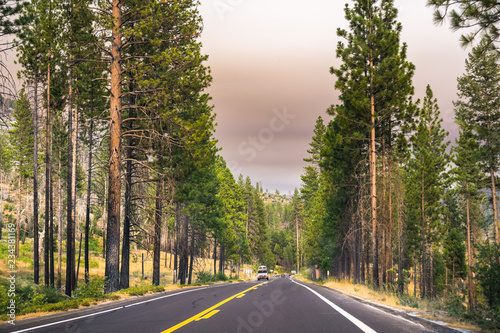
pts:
pixel 208 315
pixel 208 312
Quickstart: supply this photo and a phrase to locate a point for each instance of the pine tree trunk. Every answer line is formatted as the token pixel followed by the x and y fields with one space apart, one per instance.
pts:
pixel 215 256
pixel 60 229
pixel 73 188
pixel 78 262
pixel 401 260
pixel 70 228
pixel 191 257
pixel 470 281
pixel 36 259
pixel 47 183
pixel 104 217
pixel 125 271
pixel 390 259
pixel 297 234
pixel 25 228
pixel 51 222
pixel 157 234
pixel 495 206
pixel 384 214
pixel 222 259
pixel 19 219
pixel 87 210
pixel 113 228
pixel 373 174
pixel 176 240
pixel 423 277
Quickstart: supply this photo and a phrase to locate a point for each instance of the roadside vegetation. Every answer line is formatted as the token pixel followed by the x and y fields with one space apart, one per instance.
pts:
pixel 452 309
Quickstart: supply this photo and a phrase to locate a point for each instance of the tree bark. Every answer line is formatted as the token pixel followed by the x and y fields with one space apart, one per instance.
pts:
pixel 113 229
pixel 60 229
pixel 373 176
pixel 19 219
pixel 73 188
pixel 157 234
pixel 125 271
pixel 36 259
pixel 191 257
pixel 47 183
pixel 87 210
pixel 470 281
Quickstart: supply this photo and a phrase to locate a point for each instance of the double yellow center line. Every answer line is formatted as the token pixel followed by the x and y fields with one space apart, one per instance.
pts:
pixel 210 311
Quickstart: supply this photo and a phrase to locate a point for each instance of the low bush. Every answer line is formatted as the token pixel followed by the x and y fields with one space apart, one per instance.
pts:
pixel 94 289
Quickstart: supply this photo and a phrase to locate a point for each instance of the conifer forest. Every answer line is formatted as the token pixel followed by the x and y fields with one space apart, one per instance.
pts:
pixel 108 147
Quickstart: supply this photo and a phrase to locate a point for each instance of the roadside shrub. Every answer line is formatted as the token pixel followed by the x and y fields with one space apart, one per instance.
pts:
pixel 220 277
pixel 51 294
pixel 455 306
pixel 93 289
pixel 407 300
pixel 204 277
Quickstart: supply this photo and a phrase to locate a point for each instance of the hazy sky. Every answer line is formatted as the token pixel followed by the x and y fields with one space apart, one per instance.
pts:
pixel 270 63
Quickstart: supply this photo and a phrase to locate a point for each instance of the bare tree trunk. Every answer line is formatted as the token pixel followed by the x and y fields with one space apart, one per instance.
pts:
pixel 157 234
pixel 70 229
pixel 36 258
pixel 390 259
pixel 113 241
pixel 60 229
pixel 176 240
pixel 423 273
pixel 26 218
pixel 373 173
pixel 401 261
pixel 495 208
pixel 47 182
pixel 297 234
pixel 87 210
pixel 78 262
pixel 384 213
pixel 51 224
pixel 222 259
pixel 166 242
pixel 73 187
pixel 191 257
pixel 184 248
pixel 215 256
pixel 125 271
pixel 19 218
pixel 104 217
pixel 472 300
pixel 362 235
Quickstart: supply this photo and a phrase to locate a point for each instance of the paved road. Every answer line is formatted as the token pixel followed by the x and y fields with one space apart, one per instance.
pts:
pixel 280 305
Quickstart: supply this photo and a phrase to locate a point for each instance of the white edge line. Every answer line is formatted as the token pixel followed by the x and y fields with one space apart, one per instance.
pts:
pixel 66 320
pixel 365 328
pixel 102 312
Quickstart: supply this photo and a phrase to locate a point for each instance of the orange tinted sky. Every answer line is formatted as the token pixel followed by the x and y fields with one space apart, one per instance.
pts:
pixel 271 58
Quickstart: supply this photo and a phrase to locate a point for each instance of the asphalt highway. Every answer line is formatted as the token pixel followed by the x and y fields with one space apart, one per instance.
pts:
pixel 280 305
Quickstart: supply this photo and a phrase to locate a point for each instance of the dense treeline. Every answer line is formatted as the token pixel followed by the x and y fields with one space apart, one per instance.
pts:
pixel 111 138
pixel 386 201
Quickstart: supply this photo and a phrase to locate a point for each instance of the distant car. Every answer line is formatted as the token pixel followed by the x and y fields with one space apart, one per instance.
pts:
pixel 262 273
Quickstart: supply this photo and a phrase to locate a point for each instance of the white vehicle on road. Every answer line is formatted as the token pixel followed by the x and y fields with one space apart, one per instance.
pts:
pixel 262 273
